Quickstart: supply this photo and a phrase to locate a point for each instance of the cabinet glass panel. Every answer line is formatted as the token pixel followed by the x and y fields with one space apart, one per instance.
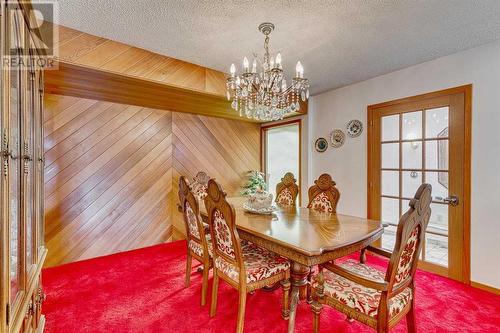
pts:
pixel 14 172
pixel 28 168
pixel 14 181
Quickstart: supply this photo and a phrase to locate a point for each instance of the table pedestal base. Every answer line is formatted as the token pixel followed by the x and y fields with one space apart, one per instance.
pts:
pixel 298 278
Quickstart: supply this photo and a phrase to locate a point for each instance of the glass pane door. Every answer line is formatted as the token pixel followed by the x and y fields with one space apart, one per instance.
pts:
pixel 415 150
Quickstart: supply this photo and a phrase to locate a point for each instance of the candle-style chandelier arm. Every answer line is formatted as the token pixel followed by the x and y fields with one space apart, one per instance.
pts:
pixel 265 95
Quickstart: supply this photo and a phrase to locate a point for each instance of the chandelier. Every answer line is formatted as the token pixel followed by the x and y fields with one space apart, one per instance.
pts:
pixel 265 95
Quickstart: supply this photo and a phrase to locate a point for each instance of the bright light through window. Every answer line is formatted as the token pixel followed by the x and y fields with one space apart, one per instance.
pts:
pixel 282 153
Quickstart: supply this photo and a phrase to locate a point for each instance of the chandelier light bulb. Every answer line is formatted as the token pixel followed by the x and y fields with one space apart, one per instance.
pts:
pixel 245 64
pixel 232 69
pixel 254 66
pixel 299 69
pixel 271 62
pixel 278 60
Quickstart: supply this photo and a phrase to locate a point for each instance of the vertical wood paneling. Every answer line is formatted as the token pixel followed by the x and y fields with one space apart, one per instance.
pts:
pixel 112 171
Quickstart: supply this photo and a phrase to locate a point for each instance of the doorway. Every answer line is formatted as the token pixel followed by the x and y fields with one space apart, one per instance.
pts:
pixel 424 139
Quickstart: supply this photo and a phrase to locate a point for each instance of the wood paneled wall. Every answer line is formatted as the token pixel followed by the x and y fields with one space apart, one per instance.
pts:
pixel 84 49
pixel 112 171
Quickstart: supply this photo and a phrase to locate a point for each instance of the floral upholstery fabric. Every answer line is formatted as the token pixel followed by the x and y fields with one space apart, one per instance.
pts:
pixel 192 222
pixel 356 296
pixel 223 236
pixel 198 248
pixel 199 190
pixel 206 228
pixel 285 198
pixel 260 264
pixel 322 203
pixel 404 265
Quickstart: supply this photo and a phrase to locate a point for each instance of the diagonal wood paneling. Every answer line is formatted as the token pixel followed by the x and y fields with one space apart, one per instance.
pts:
pixel 112 170
pixel 225 149
pixel 108 177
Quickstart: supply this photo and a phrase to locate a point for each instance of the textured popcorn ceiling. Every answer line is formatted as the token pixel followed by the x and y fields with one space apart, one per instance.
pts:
pixel 338 42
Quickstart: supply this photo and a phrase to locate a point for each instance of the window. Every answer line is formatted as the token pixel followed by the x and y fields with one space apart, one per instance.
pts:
pixel 281 152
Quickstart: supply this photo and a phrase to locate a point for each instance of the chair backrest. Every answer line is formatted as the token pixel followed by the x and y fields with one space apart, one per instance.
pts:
pixel 199 185
pixel 409 239
pixel 323 195
pixel 191 214
pixel 226 242
pixel 287 190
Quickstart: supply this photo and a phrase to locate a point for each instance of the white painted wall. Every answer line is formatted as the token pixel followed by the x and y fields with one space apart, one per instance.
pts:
pixel 479 66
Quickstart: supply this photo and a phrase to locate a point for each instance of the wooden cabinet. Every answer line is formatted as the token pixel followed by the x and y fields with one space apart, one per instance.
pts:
pixel 21 178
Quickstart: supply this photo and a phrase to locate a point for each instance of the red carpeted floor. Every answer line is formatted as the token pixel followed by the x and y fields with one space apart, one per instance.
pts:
pixel 143 291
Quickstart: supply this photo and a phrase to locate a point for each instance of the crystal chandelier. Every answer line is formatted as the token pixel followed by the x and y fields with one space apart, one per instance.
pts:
pixel 266 95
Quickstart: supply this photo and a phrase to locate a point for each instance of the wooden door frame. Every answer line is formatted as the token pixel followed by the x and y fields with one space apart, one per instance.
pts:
pixel 466 200
pixel 263 130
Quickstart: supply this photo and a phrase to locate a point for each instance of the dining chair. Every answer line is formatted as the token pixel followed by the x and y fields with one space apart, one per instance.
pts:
pixel 323 195
pixel 242 264
pixel 199 185
pixel 287 190
pixel 199 245
pixel 377 299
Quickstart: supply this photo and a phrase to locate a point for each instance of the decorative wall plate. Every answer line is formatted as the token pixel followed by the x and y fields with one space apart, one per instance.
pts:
pixel 321 144
pixel 354 128
pixel 337 138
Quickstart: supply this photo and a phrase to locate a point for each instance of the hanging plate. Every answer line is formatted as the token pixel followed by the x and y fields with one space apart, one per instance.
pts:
pixel 354 128
pixel 337 138
pixel 321 144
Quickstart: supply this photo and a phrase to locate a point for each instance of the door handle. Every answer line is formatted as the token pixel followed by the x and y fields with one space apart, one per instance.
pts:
pixel 452 200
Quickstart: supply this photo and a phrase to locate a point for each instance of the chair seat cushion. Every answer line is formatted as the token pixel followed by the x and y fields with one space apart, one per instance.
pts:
pixel 356 296
pixel 260 263
pixel 198 248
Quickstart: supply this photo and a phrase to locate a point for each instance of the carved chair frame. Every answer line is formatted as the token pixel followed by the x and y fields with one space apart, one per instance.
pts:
pixel 417 216
pixel 326 185
pixel 187 197
pixel 288 182
pixel 216 201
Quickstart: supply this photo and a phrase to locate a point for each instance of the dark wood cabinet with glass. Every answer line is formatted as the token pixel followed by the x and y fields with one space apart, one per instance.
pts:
pixel 21 179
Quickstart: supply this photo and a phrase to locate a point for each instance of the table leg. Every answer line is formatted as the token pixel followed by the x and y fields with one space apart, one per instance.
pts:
pixel 298 279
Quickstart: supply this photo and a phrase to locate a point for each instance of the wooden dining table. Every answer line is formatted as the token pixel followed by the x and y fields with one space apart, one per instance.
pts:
pixel 304 236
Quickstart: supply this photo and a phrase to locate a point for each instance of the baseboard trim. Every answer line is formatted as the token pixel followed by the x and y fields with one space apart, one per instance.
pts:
pixel 485 287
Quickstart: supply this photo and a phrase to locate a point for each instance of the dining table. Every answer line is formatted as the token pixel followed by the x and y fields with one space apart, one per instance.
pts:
pixel 306 237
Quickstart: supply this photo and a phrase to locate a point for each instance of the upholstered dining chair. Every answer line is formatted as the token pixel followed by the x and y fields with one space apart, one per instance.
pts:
pixel 287 190
pixel 375 298
pixel 242 264
pixel 199 185
pixel 198 242
pixel 323 195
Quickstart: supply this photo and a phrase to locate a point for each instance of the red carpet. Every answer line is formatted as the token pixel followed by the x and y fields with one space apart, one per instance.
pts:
pixel 143 291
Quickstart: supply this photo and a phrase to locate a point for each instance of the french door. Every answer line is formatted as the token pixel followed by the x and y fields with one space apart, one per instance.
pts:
pixel 424 139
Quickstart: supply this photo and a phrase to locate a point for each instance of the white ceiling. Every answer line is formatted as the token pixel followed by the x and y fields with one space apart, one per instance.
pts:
pixel 338 42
